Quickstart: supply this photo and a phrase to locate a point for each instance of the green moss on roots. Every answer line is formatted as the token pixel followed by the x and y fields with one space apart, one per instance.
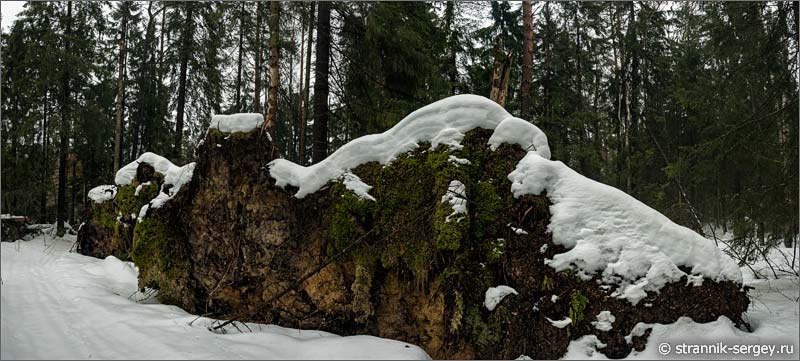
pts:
pixel 161 259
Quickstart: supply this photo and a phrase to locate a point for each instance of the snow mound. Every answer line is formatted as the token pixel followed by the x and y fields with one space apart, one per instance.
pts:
pixel 103 193
pixel 173 175
pixel 241 122
pixel 494 295
pixel 441 123
pixel 609 232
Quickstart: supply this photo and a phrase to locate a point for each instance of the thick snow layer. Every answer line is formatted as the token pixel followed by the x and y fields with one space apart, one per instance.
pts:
pixel 522 133
pixel 174 175
pixel 443 122
pixel 61 305
pixel 457 198
pixel 604 321
pixel 494 295
pixel 241 122
pixel 612 234
pixel 103 193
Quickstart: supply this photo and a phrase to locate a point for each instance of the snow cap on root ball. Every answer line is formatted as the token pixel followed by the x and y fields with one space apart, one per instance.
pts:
pixel 174 175
pixel 441 123
pixel 611 234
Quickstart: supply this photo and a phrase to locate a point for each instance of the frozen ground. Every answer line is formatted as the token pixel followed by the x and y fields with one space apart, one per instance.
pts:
pixel 60 305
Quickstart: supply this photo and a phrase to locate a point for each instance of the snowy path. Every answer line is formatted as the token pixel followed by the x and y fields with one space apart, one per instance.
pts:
pixel 60 305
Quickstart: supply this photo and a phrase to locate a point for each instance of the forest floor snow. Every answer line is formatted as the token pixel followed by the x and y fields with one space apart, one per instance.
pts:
pixel 60 305
pixel 56 304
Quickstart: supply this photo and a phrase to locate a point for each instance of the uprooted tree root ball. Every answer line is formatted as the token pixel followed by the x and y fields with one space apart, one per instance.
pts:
pixel 234 239
pixel 403 249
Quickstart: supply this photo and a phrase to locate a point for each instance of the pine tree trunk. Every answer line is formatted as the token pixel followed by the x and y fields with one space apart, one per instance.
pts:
pixel 185 48
pixel 257 93
pixel 61 213
pixel 304 109
pixel 239 63
pixel 320 148
pixel 527 59
pixel 272 91
pixel 120 87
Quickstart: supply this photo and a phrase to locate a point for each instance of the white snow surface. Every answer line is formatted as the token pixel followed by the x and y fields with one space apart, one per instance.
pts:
pixel 518 131
pixel 355 184
pixel 177 176
pixel 240 122
pixel 604 321
pixel 61 305
pixel 103 193
pixel 456 196
pixel 560 323
pixel 458 161
pixel 443 122
pixel 495 295
pixel 610 233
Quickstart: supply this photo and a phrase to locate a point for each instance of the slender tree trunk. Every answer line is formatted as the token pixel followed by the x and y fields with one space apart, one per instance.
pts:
pixel 257 94
pixel 582 156
pixel 239 62
pixel 73 189
pixel 161 45
pixel 45 158
pixel 527 59
pixel 452 67
pixel 320 148
pixel 629 95
pixel 272 92
pixel 304 108
pixel 185 49
pixel 123 31
pixel 61 213
pixel 299 112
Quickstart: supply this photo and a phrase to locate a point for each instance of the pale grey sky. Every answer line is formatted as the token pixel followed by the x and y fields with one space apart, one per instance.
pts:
pixel 10 9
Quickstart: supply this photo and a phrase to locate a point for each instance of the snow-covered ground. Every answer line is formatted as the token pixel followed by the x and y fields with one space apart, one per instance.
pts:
pixel 60 305
pixel 57 304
